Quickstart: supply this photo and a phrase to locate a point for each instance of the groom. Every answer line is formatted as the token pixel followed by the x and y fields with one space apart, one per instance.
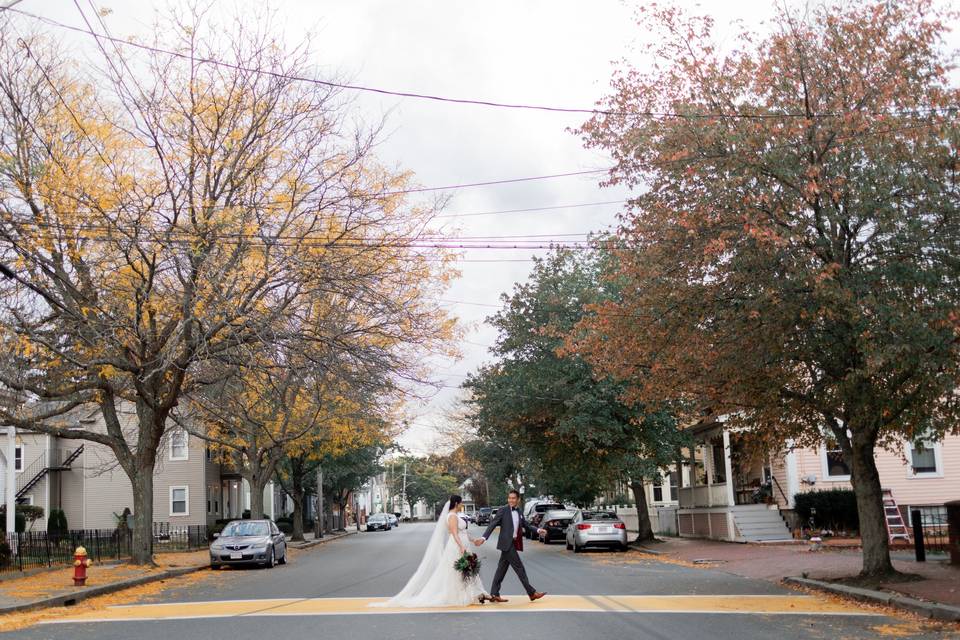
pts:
pixel 510 543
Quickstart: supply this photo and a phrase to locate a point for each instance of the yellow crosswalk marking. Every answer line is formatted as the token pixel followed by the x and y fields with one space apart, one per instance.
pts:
pixel 743 604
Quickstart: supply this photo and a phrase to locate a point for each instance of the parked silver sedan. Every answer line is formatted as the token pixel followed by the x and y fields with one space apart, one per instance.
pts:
pixel 596 529
pixel 249 542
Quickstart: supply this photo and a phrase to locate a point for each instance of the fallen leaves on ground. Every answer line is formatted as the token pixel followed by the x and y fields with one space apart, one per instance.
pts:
pixel 14 621
pixel 60 580
pixel 638 557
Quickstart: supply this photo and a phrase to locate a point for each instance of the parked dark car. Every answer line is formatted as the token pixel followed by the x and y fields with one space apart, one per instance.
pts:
pixel 483 515
pixel 249 542
pixel 535 515
pixel 533 525
pixel 553 525
pixel 379 522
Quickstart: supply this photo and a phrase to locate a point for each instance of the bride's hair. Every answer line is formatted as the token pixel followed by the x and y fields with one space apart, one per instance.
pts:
pixel 454 501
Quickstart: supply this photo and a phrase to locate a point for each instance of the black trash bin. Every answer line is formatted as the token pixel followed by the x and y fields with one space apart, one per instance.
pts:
pixel 953 521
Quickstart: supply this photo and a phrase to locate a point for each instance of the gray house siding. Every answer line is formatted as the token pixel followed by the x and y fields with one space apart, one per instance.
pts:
pixel 34 458
pixel 189 474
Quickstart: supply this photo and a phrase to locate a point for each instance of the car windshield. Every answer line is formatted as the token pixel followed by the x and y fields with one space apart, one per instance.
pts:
pixel 244 529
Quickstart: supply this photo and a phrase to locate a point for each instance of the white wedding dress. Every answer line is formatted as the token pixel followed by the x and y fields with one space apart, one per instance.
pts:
pixel 436 583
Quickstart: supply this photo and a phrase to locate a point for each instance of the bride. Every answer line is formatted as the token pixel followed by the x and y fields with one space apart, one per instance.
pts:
pixel 436 583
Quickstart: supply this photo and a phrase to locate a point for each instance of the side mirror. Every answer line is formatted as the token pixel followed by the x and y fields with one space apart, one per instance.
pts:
pixel 216 535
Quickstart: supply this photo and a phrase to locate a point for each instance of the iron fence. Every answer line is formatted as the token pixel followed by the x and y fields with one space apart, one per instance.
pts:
pixel 172 537
pixel 37 549
pixel 934 534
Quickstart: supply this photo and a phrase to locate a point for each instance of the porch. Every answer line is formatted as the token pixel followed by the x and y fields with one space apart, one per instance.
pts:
pixel 727 493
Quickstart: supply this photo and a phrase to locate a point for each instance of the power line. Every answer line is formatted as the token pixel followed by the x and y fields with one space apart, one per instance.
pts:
pixel 493 182
pixel 532 209
pixel 459 101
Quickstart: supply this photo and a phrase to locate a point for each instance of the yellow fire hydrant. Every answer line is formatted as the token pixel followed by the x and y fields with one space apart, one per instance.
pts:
pixel 80 564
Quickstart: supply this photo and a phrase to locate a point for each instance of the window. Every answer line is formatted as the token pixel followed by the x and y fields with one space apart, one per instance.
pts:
pixel 925 459
pixel 674 486
pixel 658 489
pixel 18 456
pixel 178 445
pixel 718 461
pixel 834 465
pixel 179 499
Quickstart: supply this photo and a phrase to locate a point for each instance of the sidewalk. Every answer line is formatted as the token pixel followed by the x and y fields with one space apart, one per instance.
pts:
pixel 310 540
pixel 54 587
pixel 940 583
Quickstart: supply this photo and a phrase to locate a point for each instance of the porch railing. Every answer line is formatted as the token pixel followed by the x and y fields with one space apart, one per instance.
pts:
pixel 704 496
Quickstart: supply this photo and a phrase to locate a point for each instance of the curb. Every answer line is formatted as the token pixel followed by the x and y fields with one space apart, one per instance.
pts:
pixel 933 610
pixel 70 599
pixel 313 543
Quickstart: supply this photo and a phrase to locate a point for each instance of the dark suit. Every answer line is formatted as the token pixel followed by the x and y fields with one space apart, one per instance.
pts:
pixel 508 542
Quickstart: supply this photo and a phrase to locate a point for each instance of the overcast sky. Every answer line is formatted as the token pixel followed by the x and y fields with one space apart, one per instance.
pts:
pixel 554 52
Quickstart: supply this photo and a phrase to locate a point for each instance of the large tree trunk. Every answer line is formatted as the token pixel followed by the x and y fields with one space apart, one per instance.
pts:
pixel 873 526
pixel 298 495
pixel 257 485
pixel 142 550
pixel 645 533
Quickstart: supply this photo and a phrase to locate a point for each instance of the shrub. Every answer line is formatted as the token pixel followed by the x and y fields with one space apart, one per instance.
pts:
pixel 6 555
pixel 57 522
pixel 24 513
pixel 285 526
pixel 835 509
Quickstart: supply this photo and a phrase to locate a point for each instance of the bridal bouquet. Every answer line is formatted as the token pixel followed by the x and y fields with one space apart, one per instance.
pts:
pixel 468 565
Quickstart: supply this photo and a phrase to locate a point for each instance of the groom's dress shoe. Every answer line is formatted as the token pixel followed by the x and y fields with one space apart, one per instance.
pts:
pixel 498 599
pixel 536 595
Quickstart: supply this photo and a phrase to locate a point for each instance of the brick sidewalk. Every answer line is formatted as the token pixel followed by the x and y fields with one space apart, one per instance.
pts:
pixel 774 562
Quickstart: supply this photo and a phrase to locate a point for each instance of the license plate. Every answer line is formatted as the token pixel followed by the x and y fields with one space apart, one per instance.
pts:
pixel 236 555
pixel 603 529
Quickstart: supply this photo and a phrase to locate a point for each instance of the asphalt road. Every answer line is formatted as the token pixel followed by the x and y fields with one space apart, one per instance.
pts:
pixel 325 592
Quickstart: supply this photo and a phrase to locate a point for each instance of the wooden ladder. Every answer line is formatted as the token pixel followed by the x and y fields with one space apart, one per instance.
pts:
pixel 895 525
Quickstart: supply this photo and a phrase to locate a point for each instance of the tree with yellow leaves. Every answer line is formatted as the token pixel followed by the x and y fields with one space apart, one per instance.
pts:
pixel 164 216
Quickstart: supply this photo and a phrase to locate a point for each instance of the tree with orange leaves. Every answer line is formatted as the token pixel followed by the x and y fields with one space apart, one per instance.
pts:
pixel 790 257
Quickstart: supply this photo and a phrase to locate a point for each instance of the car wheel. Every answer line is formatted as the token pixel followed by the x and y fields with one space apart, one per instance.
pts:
pixel 576 548
pixel 623 547
pixel 214 566
pixel 271 559
pixel 569 546
pixel 283 558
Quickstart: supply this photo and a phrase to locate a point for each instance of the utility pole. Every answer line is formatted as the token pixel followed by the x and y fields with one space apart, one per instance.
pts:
pixel 319 523
pixel 404 490
pixel 11 482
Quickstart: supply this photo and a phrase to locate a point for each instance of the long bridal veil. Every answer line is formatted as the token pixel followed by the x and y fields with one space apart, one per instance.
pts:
pixel 432 557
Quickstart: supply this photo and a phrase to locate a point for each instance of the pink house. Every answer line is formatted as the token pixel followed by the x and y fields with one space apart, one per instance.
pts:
pixel 728 494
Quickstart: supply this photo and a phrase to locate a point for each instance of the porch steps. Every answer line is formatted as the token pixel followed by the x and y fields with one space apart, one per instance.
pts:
pixel 758 523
